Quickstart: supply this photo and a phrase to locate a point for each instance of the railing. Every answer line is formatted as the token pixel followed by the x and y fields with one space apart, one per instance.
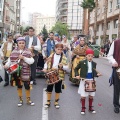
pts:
pixel 7 18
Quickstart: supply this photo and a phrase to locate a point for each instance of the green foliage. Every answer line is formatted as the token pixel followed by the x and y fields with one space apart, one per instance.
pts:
pixel 26 29
pixel 44 32
pixel 60 28
pixel 21 30
pixel 88 4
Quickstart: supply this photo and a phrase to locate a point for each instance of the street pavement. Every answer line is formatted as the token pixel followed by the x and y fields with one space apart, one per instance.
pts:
pixel 69 100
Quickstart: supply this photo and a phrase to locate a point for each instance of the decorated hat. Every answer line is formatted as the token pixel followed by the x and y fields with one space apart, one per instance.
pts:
pixel 89 51
pixel 21 39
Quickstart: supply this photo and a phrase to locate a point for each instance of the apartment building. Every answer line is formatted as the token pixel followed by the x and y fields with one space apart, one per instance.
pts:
pixel 48 21
pixel 32 19
pixel 112 20
pixel 70 12
pixel 9 17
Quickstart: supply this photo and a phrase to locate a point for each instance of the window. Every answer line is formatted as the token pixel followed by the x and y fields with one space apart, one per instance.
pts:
pixel 102 26
pixel 116 23
pixel 118 4
pixel 97 27
pixel 0 4
pixel 0 16
pixel 110 10
pixel 108 25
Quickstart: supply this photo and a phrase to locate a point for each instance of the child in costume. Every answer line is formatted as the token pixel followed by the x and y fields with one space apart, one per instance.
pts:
pixel 56 61
pixel 23 57
pixel 87 73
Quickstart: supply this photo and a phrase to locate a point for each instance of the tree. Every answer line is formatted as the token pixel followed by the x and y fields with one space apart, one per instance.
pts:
pixel 44 32
pixel 90 5
pixel 60 28
pixel 105 21
pixel 95 20
pixel 21 30
pixel 26 29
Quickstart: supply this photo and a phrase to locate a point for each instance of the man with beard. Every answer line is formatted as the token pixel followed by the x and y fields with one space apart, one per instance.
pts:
pixel 33 43
pixel 50 44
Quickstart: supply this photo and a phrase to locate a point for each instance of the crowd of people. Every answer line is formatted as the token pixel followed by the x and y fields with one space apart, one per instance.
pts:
pixel 27 54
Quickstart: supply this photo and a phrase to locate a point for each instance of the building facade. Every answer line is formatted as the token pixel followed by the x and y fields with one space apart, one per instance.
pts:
pixel 18 15
pixel 33 19
pixel 112 20
pixel 70 12
pixel 49 22
pixel 9 17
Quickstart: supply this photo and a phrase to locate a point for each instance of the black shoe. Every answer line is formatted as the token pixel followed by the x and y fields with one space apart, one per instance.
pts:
pixel 34 83
pixel 6 84
pixel 116 110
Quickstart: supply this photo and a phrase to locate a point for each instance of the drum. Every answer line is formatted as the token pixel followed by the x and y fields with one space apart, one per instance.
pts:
pixel 90 86
pixel 52 77
pixel 13 68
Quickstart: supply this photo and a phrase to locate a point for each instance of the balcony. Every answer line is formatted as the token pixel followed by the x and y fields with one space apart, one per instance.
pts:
pixel 6 3
pixel 63 7
pixel 7 18
pixel 64 1
pixel 12 21
pixel 64 21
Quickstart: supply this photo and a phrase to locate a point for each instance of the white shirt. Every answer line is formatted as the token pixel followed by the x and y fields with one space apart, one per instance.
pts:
pixel 9 47
pixel 56 60
pixel 89 67
pixel 37 47
pixel 110 54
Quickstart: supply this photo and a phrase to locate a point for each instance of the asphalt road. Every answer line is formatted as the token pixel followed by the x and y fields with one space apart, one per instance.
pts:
pixel 69 100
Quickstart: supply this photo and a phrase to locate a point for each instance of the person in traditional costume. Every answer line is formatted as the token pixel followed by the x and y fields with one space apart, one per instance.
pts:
pixel 88 72
pixel 23 57
pixel 56 38
pixel 33 43
pixel 75 42
pixel 50 44
pixel 42 55
pixel 78 54
pixel 56 61
pixel 114 59
pixel 6 50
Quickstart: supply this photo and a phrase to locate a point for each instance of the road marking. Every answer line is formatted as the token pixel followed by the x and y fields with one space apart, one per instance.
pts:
pixel 44 110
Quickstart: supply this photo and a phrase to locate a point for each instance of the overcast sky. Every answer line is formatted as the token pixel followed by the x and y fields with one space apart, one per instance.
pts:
pixel 45 7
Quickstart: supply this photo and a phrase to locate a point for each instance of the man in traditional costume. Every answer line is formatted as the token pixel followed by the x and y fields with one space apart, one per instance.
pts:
pixel 6 50
pixel 78 55
pixel 114 59
pixel 23 57
pixel 56 61
pixel 50 44
pixel 33 43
